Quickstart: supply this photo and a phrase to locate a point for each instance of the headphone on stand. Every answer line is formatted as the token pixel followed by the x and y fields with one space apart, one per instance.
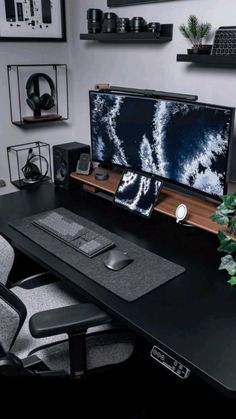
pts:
pixel 36 101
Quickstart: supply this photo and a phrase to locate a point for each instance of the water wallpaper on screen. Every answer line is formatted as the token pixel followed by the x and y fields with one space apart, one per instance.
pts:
pixel 137 192
pixel 183 142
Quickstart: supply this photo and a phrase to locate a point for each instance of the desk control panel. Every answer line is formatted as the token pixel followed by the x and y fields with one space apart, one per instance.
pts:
pixel 167 361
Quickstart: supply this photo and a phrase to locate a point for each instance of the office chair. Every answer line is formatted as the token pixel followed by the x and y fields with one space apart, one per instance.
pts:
pixel 43 324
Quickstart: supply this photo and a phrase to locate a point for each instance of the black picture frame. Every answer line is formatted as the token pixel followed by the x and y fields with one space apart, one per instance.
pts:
pixel 13 21
pixel 114 3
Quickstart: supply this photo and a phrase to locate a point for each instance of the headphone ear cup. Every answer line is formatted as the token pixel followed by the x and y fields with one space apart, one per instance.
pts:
pixel 46 102
pixel 33 102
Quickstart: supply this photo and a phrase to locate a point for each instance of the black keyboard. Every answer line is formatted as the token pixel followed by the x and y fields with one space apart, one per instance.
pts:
pixel 225 41
pixel 73 234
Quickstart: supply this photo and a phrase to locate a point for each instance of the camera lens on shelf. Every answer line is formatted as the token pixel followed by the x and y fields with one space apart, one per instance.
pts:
pixel 94 17
pixel 138 24
pixel 123 25
pixel 109 22
pixel 154 27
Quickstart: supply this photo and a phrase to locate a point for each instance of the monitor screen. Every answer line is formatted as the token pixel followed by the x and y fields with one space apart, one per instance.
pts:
pixel 185 143
pixel 137 192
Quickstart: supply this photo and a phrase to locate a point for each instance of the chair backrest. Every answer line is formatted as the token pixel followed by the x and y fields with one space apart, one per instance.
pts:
pixel 12 317
pixel 6 259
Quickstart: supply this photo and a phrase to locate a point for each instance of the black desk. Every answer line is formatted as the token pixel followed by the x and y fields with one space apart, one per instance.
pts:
pixel 192 317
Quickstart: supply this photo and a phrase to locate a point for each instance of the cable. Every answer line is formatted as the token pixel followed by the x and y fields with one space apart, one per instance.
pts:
pixel 31 170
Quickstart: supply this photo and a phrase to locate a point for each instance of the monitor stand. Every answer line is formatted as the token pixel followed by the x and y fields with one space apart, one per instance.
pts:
pixel 111 168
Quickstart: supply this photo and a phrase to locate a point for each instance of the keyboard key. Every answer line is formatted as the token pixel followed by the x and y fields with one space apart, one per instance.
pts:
pixel 77 243
pixel 102 240
pixel 90 247
pixel 89 235
pixel 224 42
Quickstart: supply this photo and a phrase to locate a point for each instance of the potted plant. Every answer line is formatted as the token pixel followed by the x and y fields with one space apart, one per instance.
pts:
pixel 225 214
pixel 196 32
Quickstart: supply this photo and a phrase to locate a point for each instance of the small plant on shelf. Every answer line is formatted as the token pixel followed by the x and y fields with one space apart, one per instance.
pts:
pixel 225 214
pixel 196 32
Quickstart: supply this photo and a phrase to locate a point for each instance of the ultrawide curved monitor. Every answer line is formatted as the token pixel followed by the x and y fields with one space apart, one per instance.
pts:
pixel 185 143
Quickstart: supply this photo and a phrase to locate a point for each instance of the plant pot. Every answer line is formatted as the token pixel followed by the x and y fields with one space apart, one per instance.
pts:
pixel 203 49
pixel 192 51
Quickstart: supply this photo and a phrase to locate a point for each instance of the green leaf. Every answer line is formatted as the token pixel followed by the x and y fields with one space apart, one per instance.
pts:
pixel 203 30
pixel 220 218
pixel 193 25
pixel 232 222
pixel 227 246
pixel 232 226
pixel 184 31
pixel 229 264
pixel 222 237
pixel 232 281
pixel 221 206
pixel 224 210
pixel 229 201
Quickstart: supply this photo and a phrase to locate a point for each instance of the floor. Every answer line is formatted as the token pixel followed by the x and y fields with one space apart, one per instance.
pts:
pixel 138 390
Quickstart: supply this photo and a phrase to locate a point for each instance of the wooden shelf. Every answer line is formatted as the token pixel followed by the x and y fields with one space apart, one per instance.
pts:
pixel 166 36
pixel 199 211
pixel 220 60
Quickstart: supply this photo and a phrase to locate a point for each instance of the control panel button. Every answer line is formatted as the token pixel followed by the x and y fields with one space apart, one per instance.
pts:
pixel 169 362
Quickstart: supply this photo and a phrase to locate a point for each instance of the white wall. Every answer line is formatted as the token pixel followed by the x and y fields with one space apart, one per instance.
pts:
pixel 150 66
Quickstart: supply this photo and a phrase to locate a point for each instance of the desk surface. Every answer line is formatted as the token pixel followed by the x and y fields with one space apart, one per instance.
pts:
pixel 192 317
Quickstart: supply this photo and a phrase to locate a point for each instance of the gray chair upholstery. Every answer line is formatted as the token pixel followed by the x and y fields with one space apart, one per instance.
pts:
pixel 7 259
pixel 105 344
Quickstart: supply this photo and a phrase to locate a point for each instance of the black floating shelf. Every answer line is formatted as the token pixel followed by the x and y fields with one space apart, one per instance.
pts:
pixel 204 59
pixel 114 3
pixel 20 184
pixel 23 124
pixel 166 36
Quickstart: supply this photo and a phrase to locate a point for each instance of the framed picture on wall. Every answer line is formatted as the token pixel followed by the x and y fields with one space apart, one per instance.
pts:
pixel 32 20
pixel 113 3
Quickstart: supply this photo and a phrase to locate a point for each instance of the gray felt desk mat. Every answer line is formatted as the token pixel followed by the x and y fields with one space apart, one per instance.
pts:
pixel 147 272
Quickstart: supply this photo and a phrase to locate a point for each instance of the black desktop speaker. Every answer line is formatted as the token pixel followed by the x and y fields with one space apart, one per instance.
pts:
pixel 65 158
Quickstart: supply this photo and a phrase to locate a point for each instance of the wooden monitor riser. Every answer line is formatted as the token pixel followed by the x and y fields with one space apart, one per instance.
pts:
pixel 199 211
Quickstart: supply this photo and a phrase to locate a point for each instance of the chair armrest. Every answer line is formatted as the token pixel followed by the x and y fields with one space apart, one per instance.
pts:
pixel 68 320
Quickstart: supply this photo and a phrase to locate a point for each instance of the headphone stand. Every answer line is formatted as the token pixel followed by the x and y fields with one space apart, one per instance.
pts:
pixel 37 112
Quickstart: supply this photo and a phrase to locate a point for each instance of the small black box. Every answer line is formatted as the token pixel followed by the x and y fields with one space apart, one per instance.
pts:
pixel 65 158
